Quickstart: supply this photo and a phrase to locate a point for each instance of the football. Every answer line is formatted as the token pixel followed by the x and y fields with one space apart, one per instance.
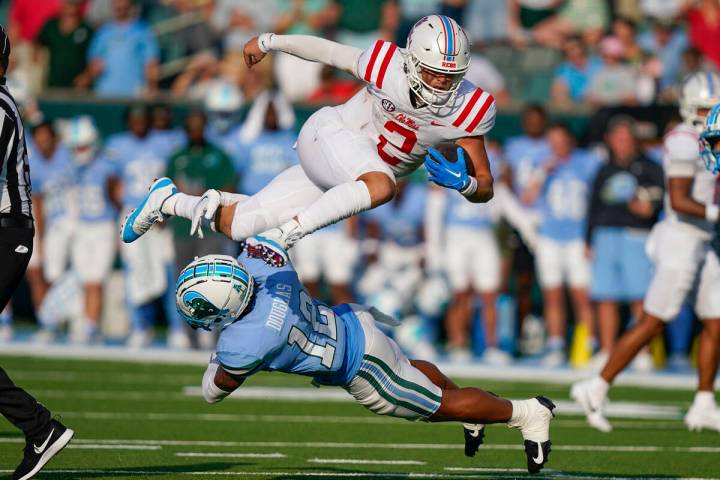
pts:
pixel 449 151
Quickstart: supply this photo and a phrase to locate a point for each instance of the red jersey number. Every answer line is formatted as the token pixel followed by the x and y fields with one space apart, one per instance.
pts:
pixel 409 141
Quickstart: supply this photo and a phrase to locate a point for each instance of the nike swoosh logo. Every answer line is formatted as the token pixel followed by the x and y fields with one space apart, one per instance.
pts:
pixel 41 448
pixel 540 458
pixel 436 124
pixel 474 433
pixel 454 174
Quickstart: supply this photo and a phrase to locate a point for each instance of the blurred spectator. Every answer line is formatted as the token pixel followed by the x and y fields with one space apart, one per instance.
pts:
pixel 662 9
pixel 485 75
pixel 562 185
pixel 410 12
pixel 486 21
pixel 524 154
pixel 161 127
pixel 363 21
pixel 333 90
pixel 625 199
pixel 195 81
pixel 296 77
pixel 625 30
pixel 263 146
pixel 525 15
pixel 195 168
pixel 454 9
pixel 666 42
pixel 575 74
pixel 94 242
pixel 67 38
pixel 704 29
pixel 27 17
pixel 615 83
pixel 240 20
pixel 575 17
pixel 222 105
pixel 197 35
pixel 123 55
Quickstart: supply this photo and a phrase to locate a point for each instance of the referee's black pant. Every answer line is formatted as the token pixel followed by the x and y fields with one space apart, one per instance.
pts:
pixel 20 408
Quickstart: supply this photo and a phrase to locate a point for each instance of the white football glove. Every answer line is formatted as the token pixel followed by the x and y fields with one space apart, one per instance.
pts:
pixel 205 209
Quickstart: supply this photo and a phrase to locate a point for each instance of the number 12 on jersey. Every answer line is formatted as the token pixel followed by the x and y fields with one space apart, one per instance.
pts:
pixel 327 327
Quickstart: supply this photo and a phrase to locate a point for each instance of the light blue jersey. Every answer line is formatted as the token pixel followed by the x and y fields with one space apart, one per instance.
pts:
pixel 524 155
pixel 261 160
pixel 139 161
pixel 287 330
pixel 564 199
pixel 53 178
pixel 401 219
pixel 459 212
pixel 170 140
pixel 92 188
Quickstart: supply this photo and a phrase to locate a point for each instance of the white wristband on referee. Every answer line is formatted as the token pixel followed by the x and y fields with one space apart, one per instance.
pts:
pixel 264 42
pixel 470 189
pixel 712 213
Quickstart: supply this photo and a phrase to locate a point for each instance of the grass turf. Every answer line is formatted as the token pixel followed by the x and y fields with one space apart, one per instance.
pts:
pixel 135 421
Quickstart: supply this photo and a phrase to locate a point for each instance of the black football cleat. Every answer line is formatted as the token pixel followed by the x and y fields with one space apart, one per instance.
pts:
pixel 39 451
pixel 537 454
pixel 533 420
pixel 474 437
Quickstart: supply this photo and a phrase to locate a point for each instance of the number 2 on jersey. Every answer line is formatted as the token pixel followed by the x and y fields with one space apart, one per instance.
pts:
pixel 409 141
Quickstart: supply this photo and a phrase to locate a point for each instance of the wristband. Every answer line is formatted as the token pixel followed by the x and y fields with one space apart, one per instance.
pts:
pixel 712 213
pixel 264 41
pixel 470 189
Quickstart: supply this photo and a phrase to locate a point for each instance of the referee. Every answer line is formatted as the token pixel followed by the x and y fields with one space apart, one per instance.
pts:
pixel 44 436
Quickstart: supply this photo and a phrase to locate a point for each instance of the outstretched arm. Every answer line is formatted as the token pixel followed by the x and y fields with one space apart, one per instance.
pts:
pixel 314 49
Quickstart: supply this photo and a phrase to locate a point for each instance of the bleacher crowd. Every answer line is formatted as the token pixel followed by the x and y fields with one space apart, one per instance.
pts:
pixel 564 238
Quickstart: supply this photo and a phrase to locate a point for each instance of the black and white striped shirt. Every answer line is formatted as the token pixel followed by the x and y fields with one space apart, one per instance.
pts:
pixel 15 189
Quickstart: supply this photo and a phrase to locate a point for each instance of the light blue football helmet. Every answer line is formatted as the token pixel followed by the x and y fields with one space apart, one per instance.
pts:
pixel 212 290
pixel 708 137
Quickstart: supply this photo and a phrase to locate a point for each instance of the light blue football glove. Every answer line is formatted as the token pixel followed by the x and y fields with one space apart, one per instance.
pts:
pixel 447 174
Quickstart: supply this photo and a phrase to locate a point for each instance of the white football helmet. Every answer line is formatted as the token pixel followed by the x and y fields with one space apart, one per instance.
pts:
pixel 213 289
pixel 700 90
pixel 708 137
pixel 439 44
pixel 223 102
pixel 82 138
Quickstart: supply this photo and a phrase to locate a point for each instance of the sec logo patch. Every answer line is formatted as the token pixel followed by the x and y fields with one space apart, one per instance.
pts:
pixel 388 105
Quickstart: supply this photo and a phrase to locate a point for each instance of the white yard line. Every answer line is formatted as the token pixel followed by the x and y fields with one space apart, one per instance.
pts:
pixel 361 461
pixel 523 373
pixel 230 455
pixel 334 474
pixel 383 446
pixel 97 446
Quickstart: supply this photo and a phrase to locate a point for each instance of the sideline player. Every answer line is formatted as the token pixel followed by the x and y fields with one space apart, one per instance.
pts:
pixel 350 155
pixel 270 322
pixel 684 263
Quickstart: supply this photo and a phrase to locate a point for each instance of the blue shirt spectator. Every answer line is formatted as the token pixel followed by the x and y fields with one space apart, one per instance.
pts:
pixel 123 55
pixel 573 76
pixel 668 45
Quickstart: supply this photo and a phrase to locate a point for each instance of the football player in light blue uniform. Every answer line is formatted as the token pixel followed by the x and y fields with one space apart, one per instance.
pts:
pixel 270 323
pixel 264 145
pixel 562 188
pixel 94 245
pixel 223 103
pixel 162 130
pixel 140 157
pixel 472 265
pixel 52 175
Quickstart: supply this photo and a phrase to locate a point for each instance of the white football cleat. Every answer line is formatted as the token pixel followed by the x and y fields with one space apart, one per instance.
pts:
pixel 284 236
pixel 178 340
pixel 496 357
pixel 594 410
pixel 44 336
pixel 534 424
pixel 148 213
pixel 698 419
pixel 139 338
pixel 6 333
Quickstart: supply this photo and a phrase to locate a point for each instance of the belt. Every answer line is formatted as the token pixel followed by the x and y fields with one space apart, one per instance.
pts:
pixel 15 221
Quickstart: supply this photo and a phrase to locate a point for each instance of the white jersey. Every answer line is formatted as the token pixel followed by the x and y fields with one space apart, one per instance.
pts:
pixel 403 133
pixel 682 159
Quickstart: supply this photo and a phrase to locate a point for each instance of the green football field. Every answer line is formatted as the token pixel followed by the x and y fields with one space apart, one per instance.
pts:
pixel 136 420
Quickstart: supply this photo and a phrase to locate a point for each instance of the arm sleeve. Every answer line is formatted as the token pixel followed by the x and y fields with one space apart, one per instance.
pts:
pixel 314 49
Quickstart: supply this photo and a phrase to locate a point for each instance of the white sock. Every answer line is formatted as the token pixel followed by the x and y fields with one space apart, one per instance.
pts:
pixel 519 415
pixel 599 388
pixel 704 400
pixel 338 203
pixel 180 205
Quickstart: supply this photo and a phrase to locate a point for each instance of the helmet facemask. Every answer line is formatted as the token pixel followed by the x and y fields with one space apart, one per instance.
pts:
pixel 432 96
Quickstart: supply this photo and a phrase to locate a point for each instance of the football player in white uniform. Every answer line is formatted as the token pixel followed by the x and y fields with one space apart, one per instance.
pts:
pixel 350 155
pixel 685 263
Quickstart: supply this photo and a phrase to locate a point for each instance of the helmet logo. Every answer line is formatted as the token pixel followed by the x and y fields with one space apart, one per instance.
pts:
pixel 449 64
pixel 388 105
pixel 199 306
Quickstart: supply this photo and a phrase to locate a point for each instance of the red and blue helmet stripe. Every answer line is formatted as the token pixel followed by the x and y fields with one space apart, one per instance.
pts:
pixel 449 31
